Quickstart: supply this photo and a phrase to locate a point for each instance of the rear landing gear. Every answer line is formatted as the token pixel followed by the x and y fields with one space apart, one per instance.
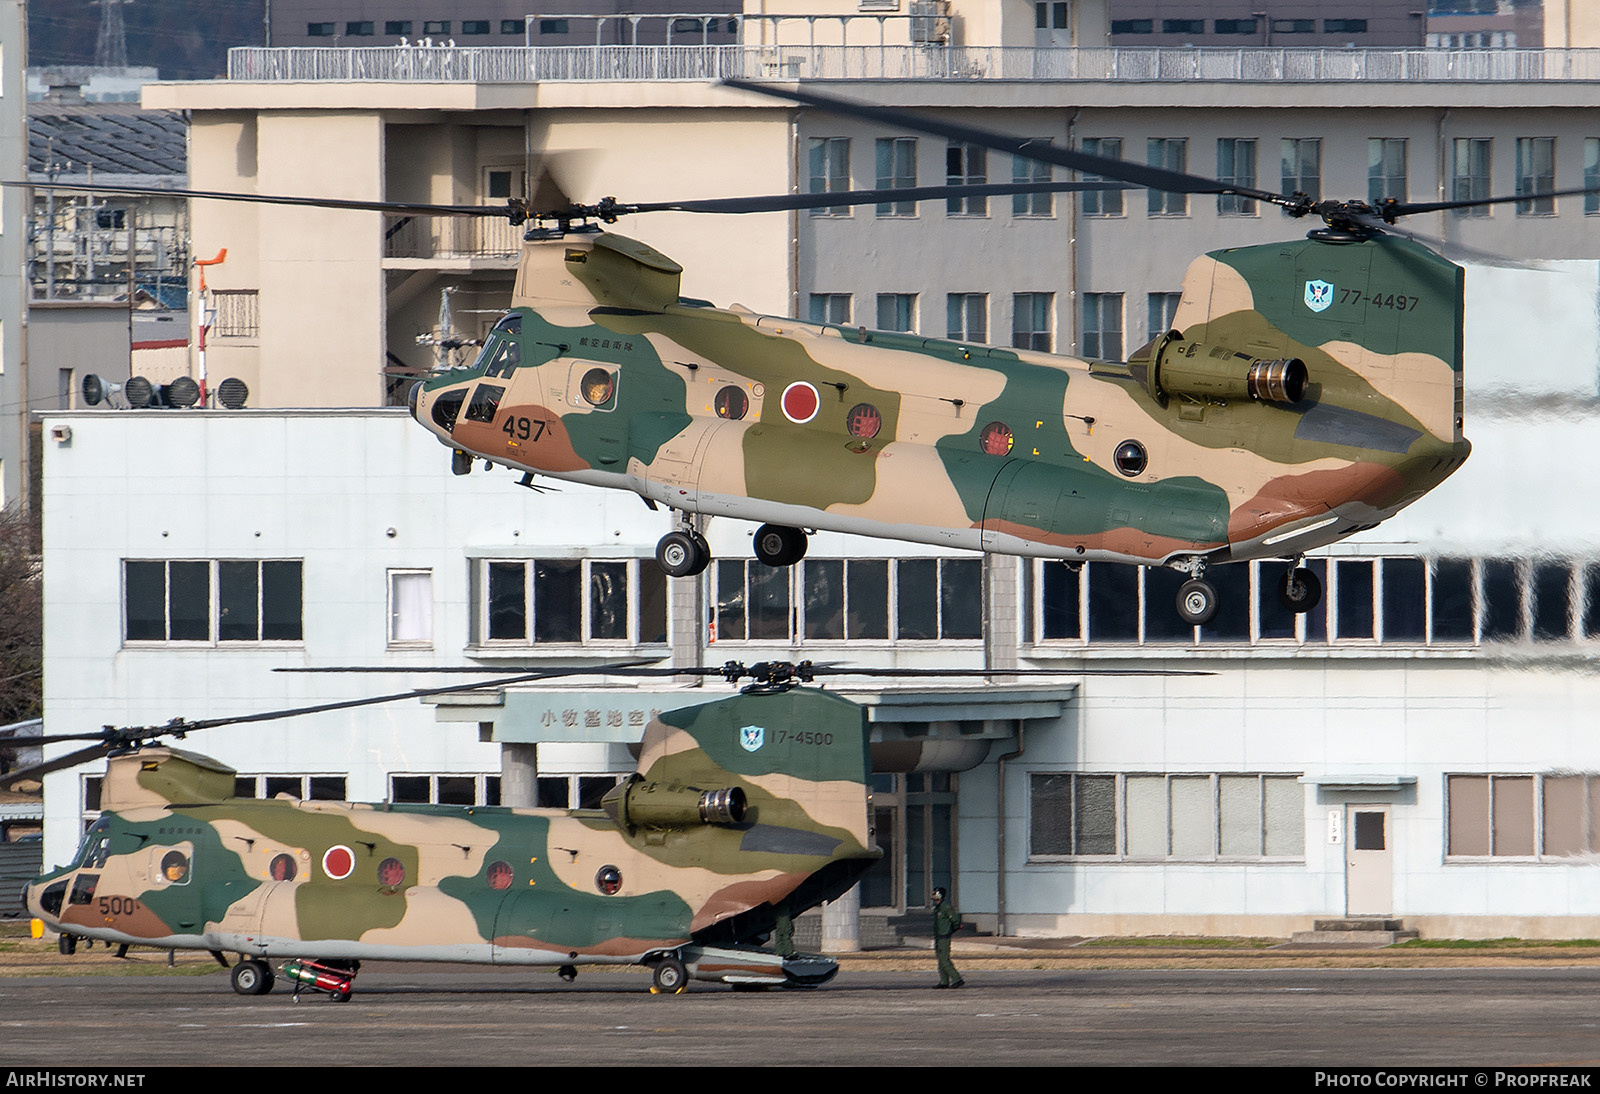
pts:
pixel 1299 590
pixel 1197 601
pixel 252 977
pixel 777 545
pixel 683 553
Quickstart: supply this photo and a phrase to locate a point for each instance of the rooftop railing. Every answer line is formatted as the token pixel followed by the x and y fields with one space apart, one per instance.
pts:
pixel 535 64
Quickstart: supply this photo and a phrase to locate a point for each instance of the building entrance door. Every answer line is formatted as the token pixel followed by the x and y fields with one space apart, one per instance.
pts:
pixel 930 836
pixel 1369 861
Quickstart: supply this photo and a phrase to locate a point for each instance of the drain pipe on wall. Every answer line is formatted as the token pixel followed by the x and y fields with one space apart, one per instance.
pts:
pixel 1000 828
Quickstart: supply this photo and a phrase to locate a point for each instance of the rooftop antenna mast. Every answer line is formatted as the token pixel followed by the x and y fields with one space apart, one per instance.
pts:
pixel 111 45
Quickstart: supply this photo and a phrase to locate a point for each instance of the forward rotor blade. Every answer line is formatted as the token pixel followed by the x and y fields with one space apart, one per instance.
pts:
pixel 781 202
pixel 1154 178
pixel 1409 208
pixel 422 208
pixel 60 763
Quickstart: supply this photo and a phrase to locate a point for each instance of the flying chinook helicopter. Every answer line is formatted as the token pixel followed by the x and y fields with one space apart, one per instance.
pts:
pixel 1308 390
pixel 740 809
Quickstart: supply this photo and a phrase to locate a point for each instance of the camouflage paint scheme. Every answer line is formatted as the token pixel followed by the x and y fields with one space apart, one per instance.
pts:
pixel 1228 475
pixel 491 884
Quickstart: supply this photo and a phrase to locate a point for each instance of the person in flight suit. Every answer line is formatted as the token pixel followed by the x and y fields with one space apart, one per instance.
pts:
pixel 946 920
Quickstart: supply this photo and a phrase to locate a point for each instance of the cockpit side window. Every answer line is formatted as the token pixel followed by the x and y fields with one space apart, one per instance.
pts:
pixel 96 841
pixel 506 358
pixel 446 407
pixel 485 402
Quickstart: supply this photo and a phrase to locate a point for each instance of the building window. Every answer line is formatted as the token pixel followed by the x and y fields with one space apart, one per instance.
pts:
pixel 1183 26
pixel 1469 173
pixel 1344 26
pixel 1171 153
pixel 1048 15
pixel 830 307
pixel 1294 26
pixel 966 165
pixel 236 313
pixel 1102 203
pixel 1102 325
pixel 897 170
pixel 1591 175
pixel 574 791
pixel 1536 174
pixel 451 789
pixel 1161 311
pixel 1234 26
pixel 474 26
pixel 436 26
pixel 512 26
pixel 569 601
pixel 892 600
pixel 1030 320
pixel 897 311
pixel 321 30
pixel 1133 26
pixel 1025 170
pixel 1220 816
pixel 1302 166
pixel 212 601
pixel 410 607
pixel 363 29
pixel 1554 816
pixel 552 26
pixel 306 788
pixel 1236 166
pixel 1386 169
pixel 967 316
pixel 395 27
pixel 830 172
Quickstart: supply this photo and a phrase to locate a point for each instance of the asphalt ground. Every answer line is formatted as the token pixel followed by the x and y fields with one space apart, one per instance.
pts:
pixel 1110 1003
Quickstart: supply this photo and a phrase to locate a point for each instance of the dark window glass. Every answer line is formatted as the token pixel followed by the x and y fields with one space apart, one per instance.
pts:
pixel 1162 623
pixel 825 598
pixel 189 601
pixel 244 786
pixel 327 788
pixel 1094 815
pixel 1369 831
pixel 1344 26
pixel 1317 618
pixel 508 602
pixel 360 29
pixel 558 601
pixel 1235 26
pixel 1294 26
pixel 1183 26
pixel 146 599
pixel 553 792
pixel 1272 617
pixel 474 26
pixel 591 788
pixel 730 601
pixel 769 601
pixel 491 790
pixel 511 26
pixel 486 399
pixel 457 790
pixel 552 26
pixel 960 598
pixel 1060 595
pixel 409 789
pixel 1551 600
pixel 1502 601
pixel 917 587
pixel 1355 599
pixel 867 590
pixel 1050 815
pixel 652 604
pixel 282 595
pixel 237 597
pixel 320 30
pixel 1113 602
pixel 1133 26
pixel 397 26
pixel 436 26
pixel 1403 603
pixel 284 784
pixel 1452 600
pixel 1232 621
pixel 1591 609
pixel 608 600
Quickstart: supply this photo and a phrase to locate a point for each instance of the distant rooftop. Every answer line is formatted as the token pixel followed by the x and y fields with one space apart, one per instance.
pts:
pixel 106 139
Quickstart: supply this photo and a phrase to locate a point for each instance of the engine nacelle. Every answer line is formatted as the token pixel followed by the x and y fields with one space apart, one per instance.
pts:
pixel 635 803
pixel 1174 366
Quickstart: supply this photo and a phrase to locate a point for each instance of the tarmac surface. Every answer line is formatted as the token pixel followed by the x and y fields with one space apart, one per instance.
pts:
pixel 1137 1002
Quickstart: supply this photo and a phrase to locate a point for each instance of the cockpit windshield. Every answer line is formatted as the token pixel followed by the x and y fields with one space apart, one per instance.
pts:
pixel 500 354
pixel 96 842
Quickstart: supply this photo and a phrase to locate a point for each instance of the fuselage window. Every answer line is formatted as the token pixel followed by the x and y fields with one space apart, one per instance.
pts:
pixel 485 402
pixel 446 407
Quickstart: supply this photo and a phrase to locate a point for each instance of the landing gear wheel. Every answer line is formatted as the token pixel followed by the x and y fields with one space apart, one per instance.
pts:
pixel 1197 602
pixel 683 554
pixel 67 945
pixel 339 996
pixel 670 977
pixel 777 545
pixel 252 978
pixel 569 973
pixel 1299 590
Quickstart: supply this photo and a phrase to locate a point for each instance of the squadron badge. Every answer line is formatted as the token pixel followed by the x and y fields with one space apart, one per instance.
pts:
pixel 1319 294
pixel 751 738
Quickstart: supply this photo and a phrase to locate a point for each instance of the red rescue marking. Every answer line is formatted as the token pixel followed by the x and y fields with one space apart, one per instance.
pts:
pixel 800 402
pixel 338 861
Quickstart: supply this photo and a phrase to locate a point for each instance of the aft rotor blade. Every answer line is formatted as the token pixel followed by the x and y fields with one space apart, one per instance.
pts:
pixel 1388 210
pixel 60 763
pixel 781 202
pixel 420 208
pixel 1154 178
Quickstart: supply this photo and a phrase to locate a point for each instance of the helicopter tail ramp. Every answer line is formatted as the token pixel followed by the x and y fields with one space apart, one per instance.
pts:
pixel 791 770
pixel 1364 339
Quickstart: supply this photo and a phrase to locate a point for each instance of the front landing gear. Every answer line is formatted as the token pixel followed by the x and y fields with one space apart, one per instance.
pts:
pixel 777 545
pixel 252 977
pixel 683 553
pixel 669 977
pixel 1197 601
pixel 1299 590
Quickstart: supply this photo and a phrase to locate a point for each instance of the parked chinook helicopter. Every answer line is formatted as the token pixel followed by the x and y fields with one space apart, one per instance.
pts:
pixel 740 810
pixel 1308 390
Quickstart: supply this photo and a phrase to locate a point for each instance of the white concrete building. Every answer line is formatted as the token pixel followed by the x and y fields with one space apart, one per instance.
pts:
pixel 13 241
